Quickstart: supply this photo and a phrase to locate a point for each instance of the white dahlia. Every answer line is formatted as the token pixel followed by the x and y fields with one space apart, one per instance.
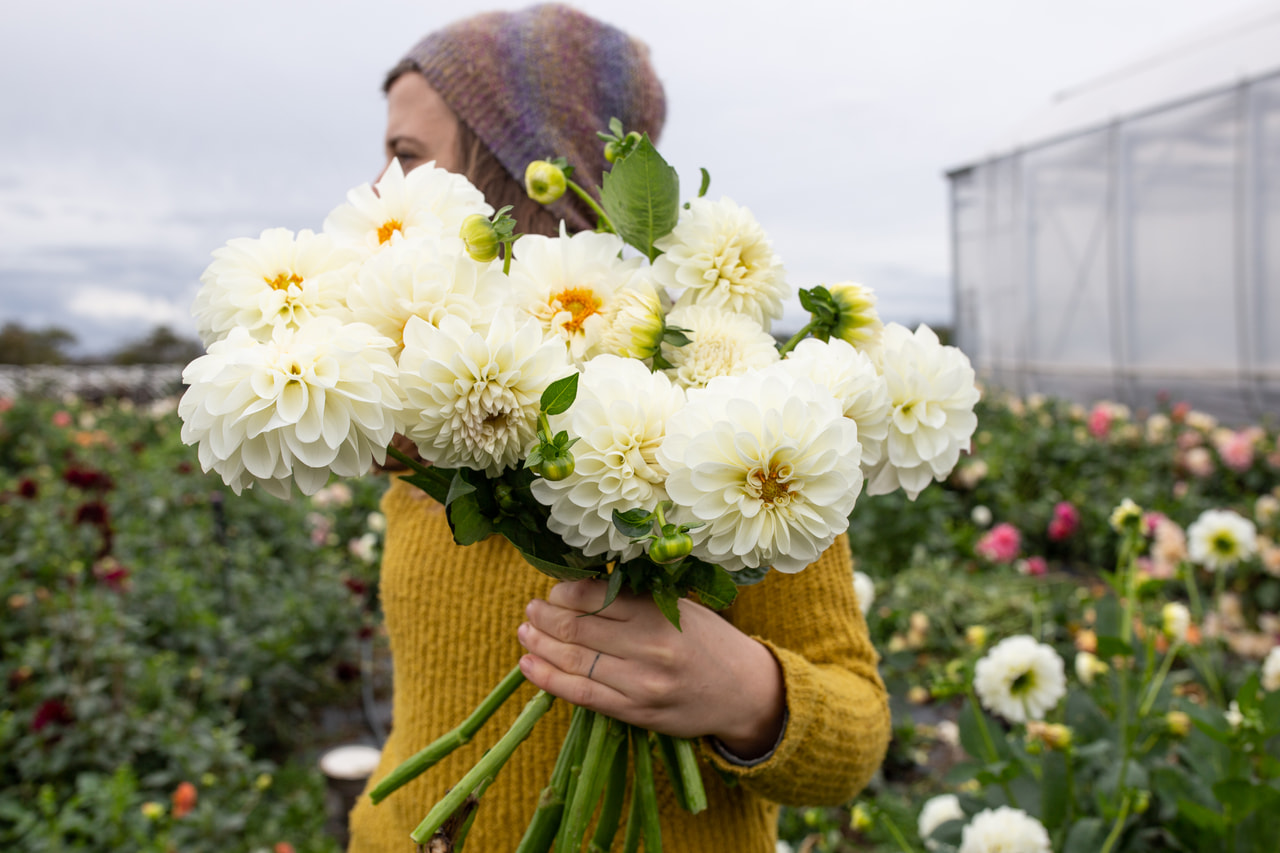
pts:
pixel 932 391
pixel 1220 538
pixel 1020 679
pixel 570 283
pixel 426 202
pixel 721 343
pixel 425 278
pixel 279 279
pixel 936 812
pixel 770 463
pixel 1004 830
pixel 1271 670
pixel 864 588
pixel 633 322
pixel 619 417
pixel 853 379
pixel 308 402
pixel 472 397
pixel 1175 620
pixel 720 256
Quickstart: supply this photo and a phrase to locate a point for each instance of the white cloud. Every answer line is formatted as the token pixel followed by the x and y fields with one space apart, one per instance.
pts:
pixel 98 303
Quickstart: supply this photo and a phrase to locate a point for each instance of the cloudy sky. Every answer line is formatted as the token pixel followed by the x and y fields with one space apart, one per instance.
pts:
pixel 136 136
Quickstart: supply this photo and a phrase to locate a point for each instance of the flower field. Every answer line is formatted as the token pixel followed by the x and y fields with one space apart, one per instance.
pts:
pixel 166 647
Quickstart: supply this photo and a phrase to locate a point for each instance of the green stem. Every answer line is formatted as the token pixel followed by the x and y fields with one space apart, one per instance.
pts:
pixel 1114 835
pixel 461 837
pixel 605 222
pixel 489 765
pixel 646 797
pixel 992 755
pixel 602 743
pixel 883 817
pixel 671 764
pixel 508 248
pixel 1193 592
pixel 541 831
pixel 431 754
pixel 690 776
pixel 799 336
pixel 615 793
pixel 631 838
pixel 1153 689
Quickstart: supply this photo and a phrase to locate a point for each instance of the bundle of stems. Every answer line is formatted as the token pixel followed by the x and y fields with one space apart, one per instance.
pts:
pixel 603 765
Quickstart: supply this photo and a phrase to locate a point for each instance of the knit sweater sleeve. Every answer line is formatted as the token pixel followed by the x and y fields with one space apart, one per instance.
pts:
pixel 838 726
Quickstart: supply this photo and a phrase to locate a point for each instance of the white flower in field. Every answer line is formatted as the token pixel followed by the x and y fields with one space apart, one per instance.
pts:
pixel 377 522
pixel 279 279
pixel 364 548
pixel 1271 670
pixel 865 590
pixel 619 418
pixel 852 378
pixel 426 278
pixel 1219 539
pixel 570 283
pixel 770 463
pixel 1004 830
pixel 633 322
pixel 932 391
pixel 1126 516
pixel 1175 619
pixel 1020 679
pixel 311 401
pixel 721 344
pixel 332 496
pixel 1233 715
pixel 719 255
pixel 1089 667
pixel 472 397
pixel 426 202
pixel 935 813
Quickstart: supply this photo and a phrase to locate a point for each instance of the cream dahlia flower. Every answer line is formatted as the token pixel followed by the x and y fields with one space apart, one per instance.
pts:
pixel 1175 620
pixel 619 417
pixel 1271 670
pixel 1219 539
pixel 569 283
pixel 472 397
pixel 425 278
pixel 932 391
pixel 719 256
pixel 770 463
pixel 852 378
pixel 1004 830
pixel 1020 679
pixel 720 344
pixel 311 401
pixel 279 279
pixel 426 202
pixel 936 812
pixel 633 321
pixel 865 590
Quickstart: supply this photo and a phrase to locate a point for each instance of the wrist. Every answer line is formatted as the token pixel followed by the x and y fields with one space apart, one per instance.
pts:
pixel 753 730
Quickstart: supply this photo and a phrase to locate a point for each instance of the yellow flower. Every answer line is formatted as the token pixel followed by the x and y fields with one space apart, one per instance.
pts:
pixel 861 818
pixel 976 636
pixel 152 810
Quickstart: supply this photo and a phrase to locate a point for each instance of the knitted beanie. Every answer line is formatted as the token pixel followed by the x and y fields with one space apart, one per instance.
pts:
pixel 539 83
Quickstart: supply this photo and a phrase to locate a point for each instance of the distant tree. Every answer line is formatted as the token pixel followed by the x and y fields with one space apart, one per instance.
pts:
pixel 162 346
pixel 20 345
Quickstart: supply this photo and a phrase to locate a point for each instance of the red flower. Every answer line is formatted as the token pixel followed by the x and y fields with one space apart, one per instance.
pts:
pixel 184 799
pixel 28 489
pixel 282 847
pixel 61 418
pixel 1066 518
pixel 87 479
pixel 111 574
pixel 92 512
pixel 51 712
pixel 357 586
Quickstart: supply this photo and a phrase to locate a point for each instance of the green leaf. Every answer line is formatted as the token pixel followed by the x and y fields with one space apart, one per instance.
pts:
pixel 1247 695
pixel 641 196
pixel 633 523
pixel 749 577
pixel 1056 790
pixel 971 735
pixel 1271 712
pixel 1202 817
pixel 676 336
pixel 706 182
pixel 468 523
pixel 1244 797
pixel 613 587
pixel 458 487
pixel 1109 617
pixel 1086 719
pixel 714 585
pixel 560 395
pixel 434 482
pixel 559 571
pixel 1109 647
pixel 669 603
pixel 1086 836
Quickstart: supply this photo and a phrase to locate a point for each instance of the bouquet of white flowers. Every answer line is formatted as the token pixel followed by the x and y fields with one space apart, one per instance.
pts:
pixel 616 413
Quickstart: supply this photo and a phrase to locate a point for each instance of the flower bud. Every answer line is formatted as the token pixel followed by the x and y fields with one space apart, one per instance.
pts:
pixel 1089 667
pixel 976 636
pixel 1141 802
pixel 1178 722
pixel 1053 735
pixel 918 695
pixel 263 782
pixel 544 182
pixel 479 237
pixel 859 323
pixel 556 468
pixel 670 547
pixel 860 819
pixel 1127 517
pixel 152 810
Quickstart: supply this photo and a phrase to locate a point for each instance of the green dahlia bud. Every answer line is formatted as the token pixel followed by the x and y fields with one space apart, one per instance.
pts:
pixel 556 468
pixel 479 237
pixel 858 323
pixel 612 150
pixel 544 182
pixel 670 547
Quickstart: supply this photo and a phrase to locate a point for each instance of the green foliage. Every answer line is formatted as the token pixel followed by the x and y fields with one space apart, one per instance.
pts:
pixel 20 345
pixel 641 195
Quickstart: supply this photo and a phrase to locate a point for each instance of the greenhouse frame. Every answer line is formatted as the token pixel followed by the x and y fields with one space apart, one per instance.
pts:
pixel 1125 244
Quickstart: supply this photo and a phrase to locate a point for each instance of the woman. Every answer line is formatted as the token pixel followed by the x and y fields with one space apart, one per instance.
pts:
pixel 782 687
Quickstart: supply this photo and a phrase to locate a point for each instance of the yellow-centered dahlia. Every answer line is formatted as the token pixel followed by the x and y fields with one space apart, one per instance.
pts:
pixel 721 344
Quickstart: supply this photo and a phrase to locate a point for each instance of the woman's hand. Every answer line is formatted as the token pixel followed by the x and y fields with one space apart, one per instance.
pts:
pixel 629 662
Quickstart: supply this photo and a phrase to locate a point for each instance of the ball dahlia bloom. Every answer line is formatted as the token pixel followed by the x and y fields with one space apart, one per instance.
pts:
pixel 278 279
pixel 1004 830
pixel 1020 679
pixel 1065 521
pixel 619 417
pixel 1219 539
pixel 1000 544
pixel 721 344
pixel 769 463
pixel 718 255
pixel 472 396
pixel 932 392
pixel 428 201
pixel 937 811
pixel 309 402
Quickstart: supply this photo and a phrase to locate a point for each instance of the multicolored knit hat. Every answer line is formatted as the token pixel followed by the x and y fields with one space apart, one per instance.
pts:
pixel 539 83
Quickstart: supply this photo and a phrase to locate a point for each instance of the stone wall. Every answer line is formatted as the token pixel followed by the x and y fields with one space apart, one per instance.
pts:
pixel 140 383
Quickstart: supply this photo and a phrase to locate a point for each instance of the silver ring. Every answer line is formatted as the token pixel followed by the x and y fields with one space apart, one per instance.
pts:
pixel 593 664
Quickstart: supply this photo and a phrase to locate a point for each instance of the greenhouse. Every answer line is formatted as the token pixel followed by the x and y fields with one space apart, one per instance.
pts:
pixel 1125 243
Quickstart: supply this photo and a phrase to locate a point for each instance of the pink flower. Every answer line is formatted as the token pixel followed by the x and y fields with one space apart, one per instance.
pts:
pixel 1180 412
pixel 61 418
pixel 1236 450
pixel 1100 421
pixel 1033 566
pixel 6 403
pixel 1000 544
pixel 1199 462
pixel 1066 518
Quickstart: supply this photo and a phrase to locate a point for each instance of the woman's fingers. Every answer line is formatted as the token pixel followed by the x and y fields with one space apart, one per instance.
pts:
pixel 578 689
pixel 589 596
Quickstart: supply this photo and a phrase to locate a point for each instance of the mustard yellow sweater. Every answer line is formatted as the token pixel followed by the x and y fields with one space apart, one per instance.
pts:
pixel 451 614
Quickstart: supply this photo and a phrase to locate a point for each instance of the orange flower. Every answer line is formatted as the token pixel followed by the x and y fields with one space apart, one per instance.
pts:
pixel 184 799
pixel 283 847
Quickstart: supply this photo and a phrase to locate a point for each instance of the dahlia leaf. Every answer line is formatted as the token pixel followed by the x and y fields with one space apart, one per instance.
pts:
pixel 641 196
pixel 560 395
